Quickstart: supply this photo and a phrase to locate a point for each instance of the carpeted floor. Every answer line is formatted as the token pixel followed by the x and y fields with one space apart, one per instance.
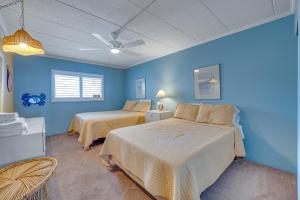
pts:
pixel 80 176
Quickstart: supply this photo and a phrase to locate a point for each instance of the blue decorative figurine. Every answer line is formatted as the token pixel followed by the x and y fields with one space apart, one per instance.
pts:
pixel 29 100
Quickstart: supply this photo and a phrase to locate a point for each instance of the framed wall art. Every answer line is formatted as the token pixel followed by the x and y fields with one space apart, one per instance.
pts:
pixel 140 88
pixel 207 82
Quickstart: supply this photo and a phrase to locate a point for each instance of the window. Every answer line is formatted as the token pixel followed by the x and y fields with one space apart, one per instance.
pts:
pixel 72 86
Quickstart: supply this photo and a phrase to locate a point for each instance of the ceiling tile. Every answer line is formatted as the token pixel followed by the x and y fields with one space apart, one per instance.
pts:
pixel 239 13
pixel 282 6
pixel 141 3
pixel 152 49
pixel 152 27
pixel 117 11
pixel 4 2
pixel 54 51
pixel 52 29
pixel 189 16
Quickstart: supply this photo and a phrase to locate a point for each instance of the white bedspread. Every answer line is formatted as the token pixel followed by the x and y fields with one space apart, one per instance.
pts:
pixel 173 159
pixel 94 125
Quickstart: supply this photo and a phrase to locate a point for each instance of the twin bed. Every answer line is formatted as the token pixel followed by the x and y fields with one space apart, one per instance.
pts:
pixel 94 125
pixel 177 158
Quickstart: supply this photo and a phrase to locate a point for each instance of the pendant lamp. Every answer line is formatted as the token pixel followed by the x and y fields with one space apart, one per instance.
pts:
pixel 21 42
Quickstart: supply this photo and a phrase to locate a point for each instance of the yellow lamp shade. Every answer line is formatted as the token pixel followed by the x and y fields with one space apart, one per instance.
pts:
pixel 161 94
pixel 22 43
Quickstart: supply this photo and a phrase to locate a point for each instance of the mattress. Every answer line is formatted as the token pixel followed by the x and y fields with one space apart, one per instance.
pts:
pixel 94 125
pixel 173 159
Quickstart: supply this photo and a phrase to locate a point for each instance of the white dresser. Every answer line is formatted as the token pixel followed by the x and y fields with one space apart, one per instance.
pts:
pixel 155 115
pixel 21 147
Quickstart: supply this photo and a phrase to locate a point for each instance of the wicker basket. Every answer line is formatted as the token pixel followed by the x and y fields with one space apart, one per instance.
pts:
pixel 27 180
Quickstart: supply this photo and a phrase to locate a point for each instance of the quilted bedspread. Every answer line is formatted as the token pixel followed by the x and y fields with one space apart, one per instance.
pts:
pixel 173 159
pixel 94 125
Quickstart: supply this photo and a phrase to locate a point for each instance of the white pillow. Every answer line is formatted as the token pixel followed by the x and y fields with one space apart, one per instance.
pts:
pixel 146 100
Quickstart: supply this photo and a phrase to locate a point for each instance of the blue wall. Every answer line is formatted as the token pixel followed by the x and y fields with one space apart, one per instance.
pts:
pixel 298 119
pixel 33 75
pixel 258 74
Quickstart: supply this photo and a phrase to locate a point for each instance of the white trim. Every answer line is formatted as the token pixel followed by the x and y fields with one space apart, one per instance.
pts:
pixel 75 100
pixel 79 99
pixel 267 20
pixel 214 15
pixel 82 61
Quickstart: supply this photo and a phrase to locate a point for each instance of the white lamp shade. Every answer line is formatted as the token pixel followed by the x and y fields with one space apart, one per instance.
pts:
pixel 161 94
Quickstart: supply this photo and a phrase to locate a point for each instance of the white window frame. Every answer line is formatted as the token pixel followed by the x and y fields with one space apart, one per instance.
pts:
pixel 75 99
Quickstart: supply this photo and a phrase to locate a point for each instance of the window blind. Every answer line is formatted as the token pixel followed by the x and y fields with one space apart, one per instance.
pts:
pixel 73 86
pixel 67 86
pixel 91 87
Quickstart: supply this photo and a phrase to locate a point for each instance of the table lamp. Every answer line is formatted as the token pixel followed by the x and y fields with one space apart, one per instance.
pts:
pixel 160 94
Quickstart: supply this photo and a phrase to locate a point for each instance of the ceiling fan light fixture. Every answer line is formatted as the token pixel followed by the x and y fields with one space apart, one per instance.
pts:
pixel 115 51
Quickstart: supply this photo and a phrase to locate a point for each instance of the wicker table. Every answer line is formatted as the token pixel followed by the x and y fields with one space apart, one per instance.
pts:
pixel 27 180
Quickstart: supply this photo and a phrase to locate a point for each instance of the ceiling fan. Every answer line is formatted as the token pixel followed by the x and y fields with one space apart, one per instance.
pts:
pixel 116 46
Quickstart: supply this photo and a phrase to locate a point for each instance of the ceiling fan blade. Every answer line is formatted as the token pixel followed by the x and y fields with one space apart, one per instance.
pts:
pixel 130 53
pixel 133 44
pixel 99 37
pixel 91 49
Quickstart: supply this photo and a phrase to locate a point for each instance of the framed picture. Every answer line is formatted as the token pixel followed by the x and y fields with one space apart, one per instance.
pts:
pixel 207 82
pixel 140 87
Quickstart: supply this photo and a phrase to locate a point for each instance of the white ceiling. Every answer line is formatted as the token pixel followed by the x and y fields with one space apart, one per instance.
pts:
pixel 167 26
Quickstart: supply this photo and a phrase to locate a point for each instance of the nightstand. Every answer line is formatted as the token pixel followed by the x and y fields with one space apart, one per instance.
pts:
pixel 155 115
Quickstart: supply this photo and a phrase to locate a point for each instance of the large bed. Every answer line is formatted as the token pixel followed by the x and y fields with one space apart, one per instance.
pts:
pixel 94 125
pixel 173 159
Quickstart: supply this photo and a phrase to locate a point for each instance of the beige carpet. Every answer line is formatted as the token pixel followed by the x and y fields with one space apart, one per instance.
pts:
pixel 80 176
